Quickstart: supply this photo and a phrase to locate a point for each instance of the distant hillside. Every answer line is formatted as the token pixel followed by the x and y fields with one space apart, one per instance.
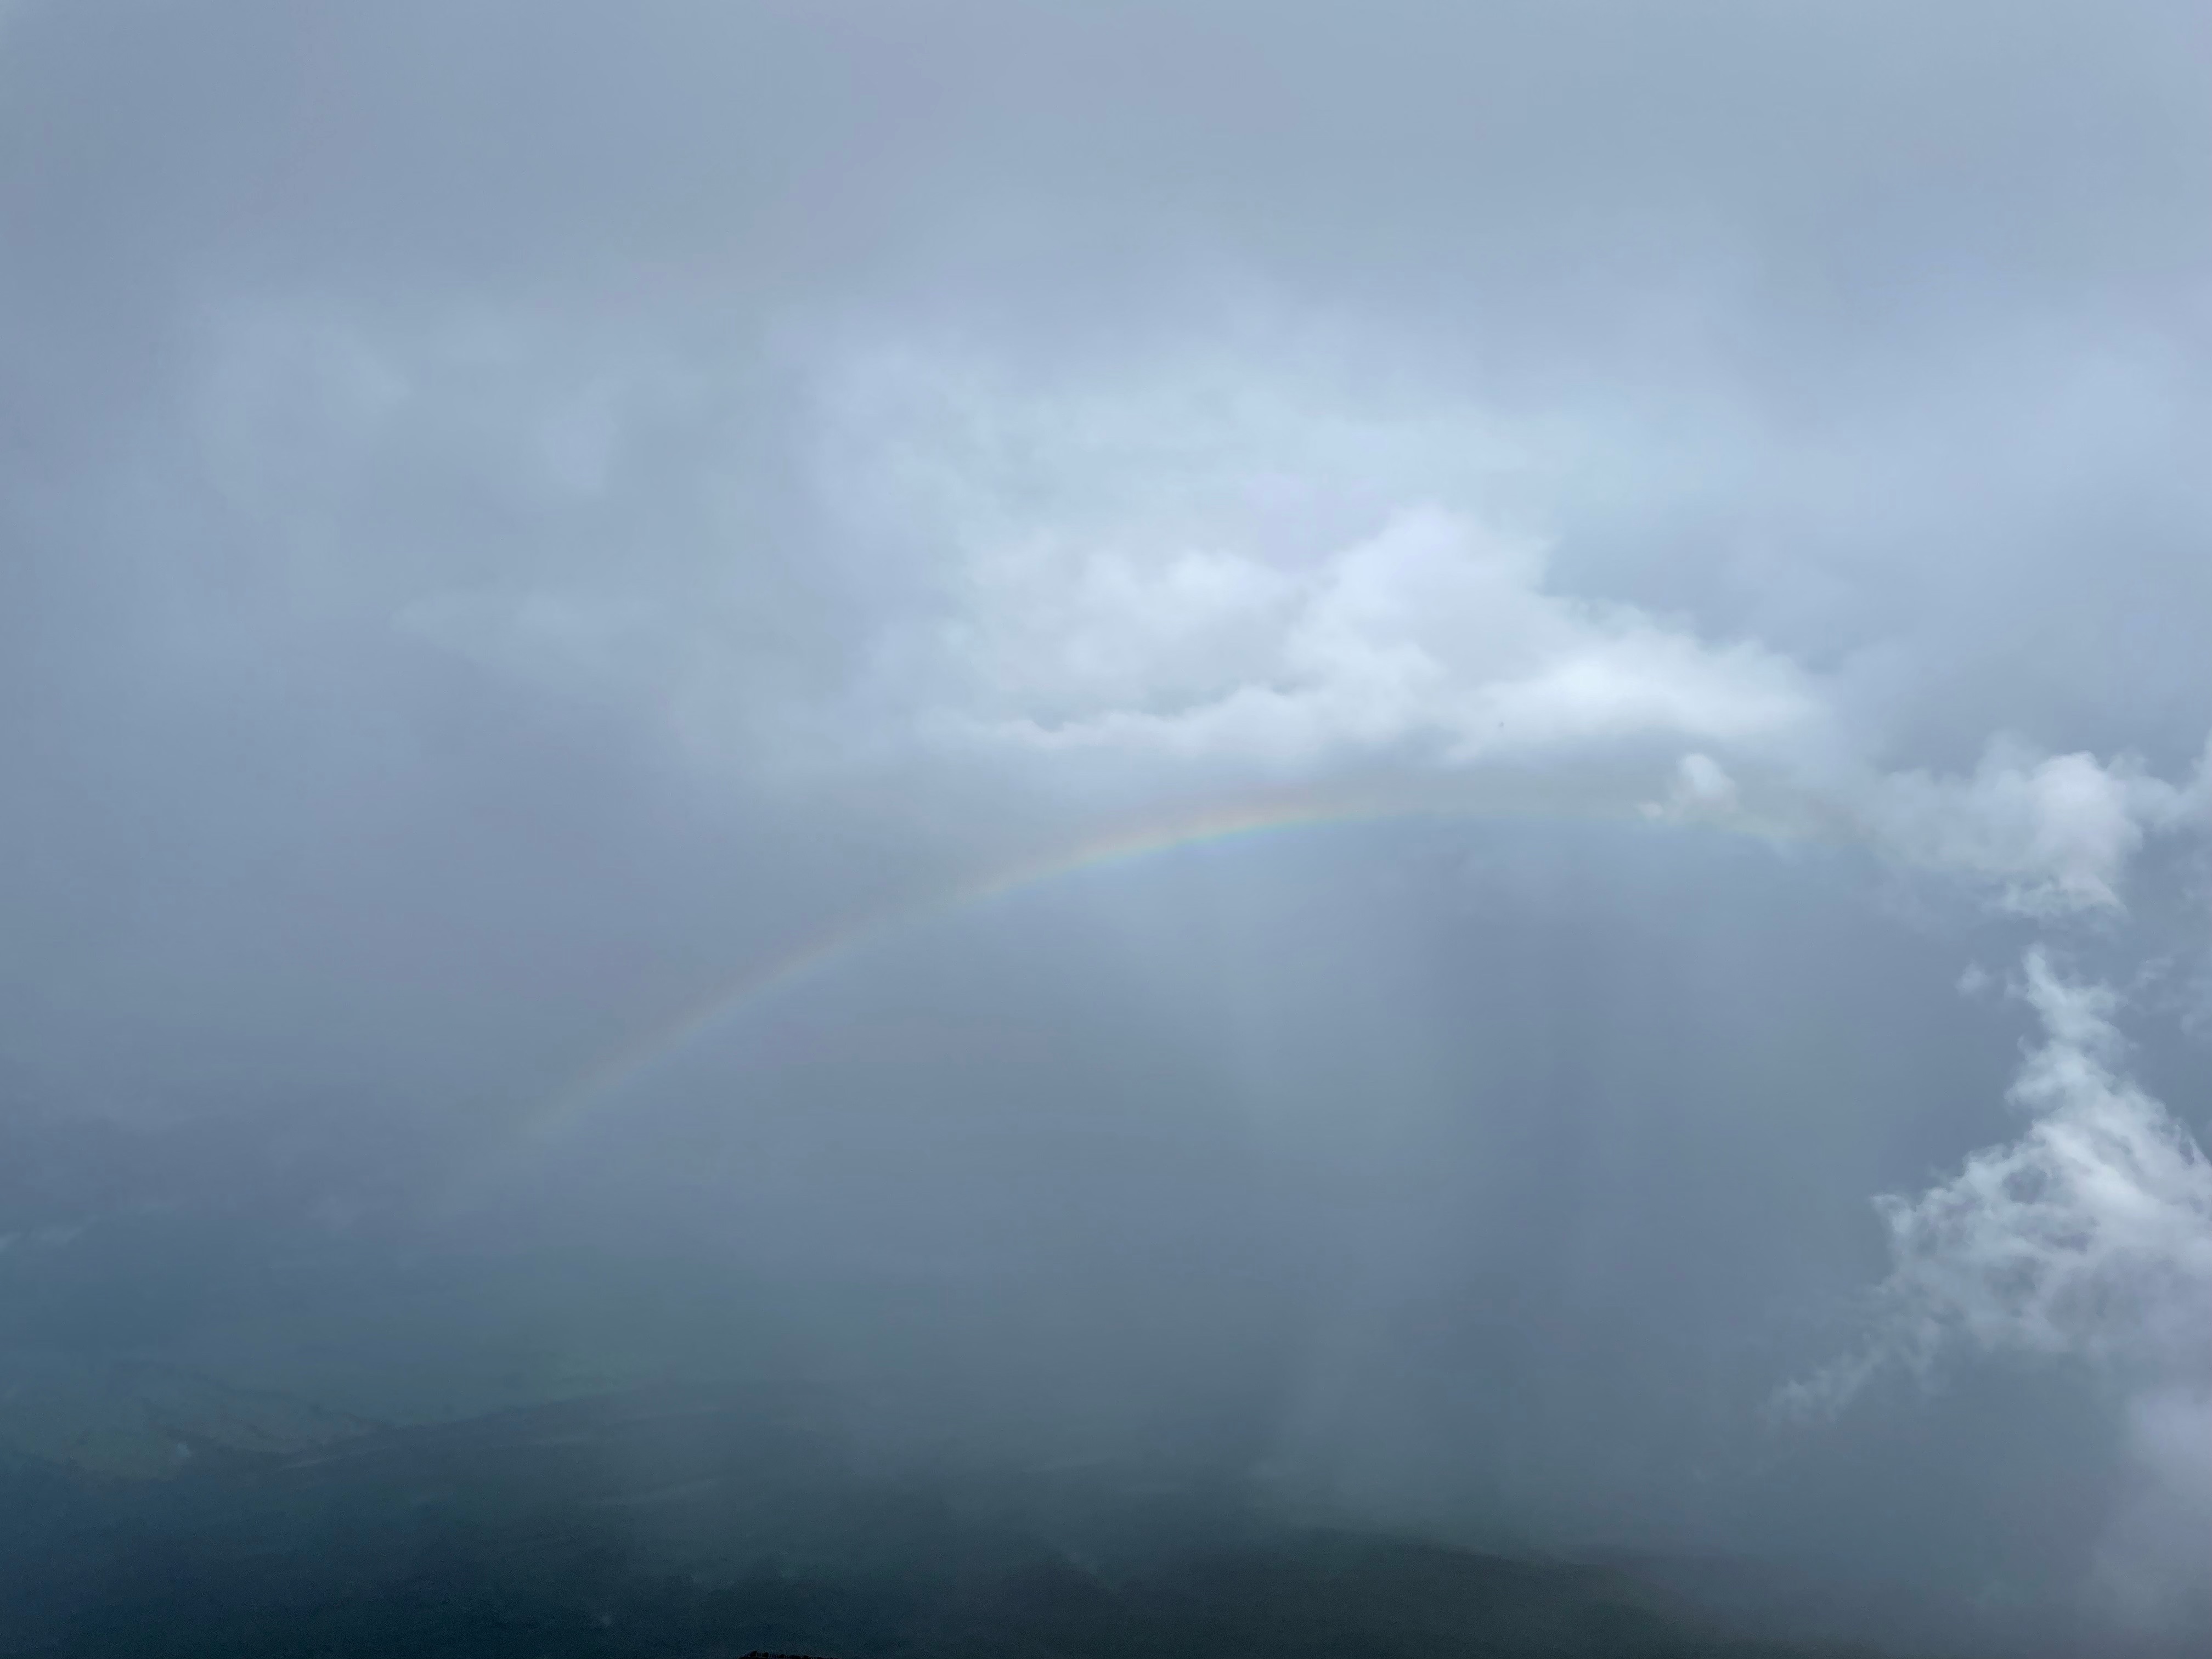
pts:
pixel 693 1527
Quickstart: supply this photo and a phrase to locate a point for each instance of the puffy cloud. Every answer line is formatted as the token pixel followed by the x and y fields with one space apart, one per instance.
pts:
pixel 1213 569
pixel 2048 834
pixel 2089 1237
pixel 1432 637
pixel 1219 562
pixel 2087 1240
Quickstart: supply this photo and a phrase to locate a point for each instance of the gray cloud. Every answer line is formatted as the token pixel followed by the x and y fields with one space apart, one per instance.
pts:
pixel 2087 1240
pixel 511 517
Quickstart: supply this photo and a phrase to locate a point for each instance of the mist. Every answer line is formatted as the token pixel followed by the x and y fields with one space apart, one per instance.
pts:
pixel 1445 764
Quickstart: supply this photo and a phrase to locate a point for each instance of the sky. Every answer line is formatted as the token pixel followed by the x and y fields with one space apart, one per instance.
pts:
pixel 1454 754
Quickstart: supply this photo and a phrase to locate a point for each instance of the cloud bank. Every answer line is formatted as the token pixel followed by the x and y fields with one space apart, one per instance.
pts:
pixel 514 516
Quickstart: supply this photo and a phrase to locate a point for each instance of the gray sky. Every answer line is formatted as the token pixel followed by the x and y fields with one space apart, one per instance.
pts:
pixel 1687 520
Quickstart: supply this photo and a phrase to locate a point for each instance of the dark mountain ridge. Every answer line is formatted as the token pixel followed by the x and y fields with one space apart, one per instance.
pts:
pixel 672 1523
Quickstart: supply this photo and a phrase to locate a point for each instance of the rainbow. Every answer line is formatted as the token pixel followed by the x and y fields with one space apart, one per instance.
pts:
pixel 817 956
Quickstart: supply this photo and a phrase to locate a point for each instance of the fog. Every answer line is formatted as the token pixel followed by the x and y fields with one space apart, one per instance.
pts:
pixel 1447 761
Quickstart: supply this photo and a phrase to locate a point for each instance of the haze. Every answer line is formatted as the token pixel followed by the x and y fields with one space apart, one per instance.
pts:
pixel 1449 757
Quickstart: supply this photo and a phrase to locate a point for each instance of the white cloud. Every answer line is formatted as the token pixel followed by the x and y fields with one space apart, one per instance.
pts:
pixel 2088 1237
pixel 1215 565
pixel 1218 566
pixel 1210 569
pixel 1432 638
pixel 2088 1240
pixel 1701 791
pixel 2049 834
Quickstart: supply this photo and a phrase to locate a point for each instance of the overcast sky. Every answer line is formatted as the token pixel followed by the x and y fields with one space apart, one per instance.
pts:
pixel 1679 531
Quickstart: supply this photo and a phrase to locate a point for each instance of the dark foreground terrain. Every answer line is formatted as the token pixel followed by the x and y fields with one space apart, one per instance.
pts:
pixel 667 1526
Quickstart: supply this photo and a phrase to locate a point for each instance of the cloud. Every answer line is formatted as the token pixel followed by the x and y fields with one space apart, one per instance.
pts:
pixel 1221 561
pixel 2046 834
pixel 476 579
pixel 2088 1237
pixel 1214 568
pixel 1701 790
pixel 2150 1569
pixel 1208 561
pixel 2086 1241
pixel 1433 639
